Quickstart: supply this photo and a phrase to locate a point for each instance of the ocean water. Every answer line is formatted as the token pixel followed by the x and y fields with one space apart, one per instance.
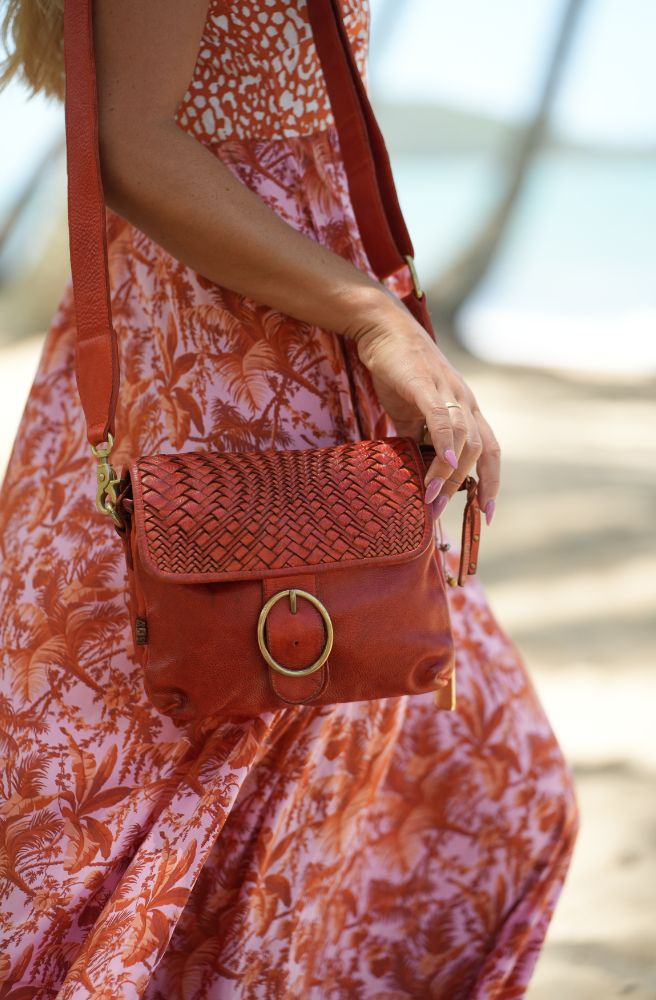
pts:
pixel 574 282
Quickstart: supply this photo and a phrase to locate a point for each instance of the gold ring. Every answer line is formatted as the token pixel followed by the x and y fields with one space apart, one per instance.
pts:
pixel 449 404
pixel 261 641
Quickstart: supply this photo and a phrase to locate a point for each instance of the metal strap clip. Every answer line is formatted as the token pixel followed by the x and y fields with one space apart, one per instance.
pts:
pixel 106 482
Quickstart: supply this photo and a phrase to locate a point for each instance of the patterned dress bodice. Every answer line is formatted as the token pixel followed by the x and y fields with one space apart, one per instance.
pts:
pixel 257 73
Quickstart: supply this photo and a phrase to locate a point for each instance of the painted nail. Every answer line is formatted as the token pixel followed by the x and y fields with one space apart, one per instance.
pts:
pixel 439 505
pixel 433 489
pixel 489 511
pixel 450 457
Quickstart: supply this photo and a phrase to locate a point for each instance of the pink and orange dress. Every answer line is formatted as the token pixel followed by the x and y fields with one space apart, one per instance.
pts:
pixel 370 850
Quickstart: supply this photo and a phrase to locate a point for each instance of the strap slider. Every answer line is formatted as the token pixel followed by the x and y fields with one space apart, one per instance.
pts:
pixel 410 261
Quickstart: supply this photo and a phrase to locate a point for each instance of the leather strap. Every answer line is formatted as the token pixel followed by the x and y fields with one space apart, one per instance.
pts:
pixel 96 356
pixel 366 161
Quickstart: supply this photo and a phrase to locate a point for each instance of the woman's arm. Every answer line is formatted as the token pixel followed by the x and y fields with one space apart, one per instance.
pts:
pixel 181 195
pixel 175 190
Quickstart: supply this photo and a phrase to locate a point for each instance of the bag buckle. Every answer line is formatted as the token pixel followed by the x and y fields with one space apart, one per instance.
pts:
pixel 293 594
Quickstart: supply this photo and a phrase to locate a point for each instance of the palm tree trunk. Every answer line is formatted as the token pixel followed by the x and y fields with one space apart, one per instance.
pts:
pixel 451 289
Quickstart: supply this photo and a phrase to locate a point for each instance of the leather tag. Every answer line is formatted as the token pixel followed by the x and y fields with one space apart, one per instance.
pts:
pixel 445 697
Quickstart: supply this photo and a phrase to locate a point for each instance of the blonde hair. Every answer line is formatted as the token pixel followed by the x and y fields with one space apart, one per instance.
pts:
pixel 32 35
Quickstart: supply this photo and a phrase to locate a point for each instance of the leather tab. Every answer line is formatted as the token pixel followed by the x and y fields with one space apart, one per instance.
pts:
pixel 471 532
pixel 295 639
pixel 471 520
pixel 445 697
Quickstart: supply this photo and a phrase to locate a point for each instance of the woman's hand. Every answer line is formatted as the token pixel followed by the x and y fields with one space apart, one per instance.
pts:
pixel 414 381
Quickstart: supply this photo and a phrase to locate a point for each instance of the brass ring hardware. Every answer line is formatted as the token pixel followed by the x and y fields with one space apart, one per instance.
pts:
pixel 261 622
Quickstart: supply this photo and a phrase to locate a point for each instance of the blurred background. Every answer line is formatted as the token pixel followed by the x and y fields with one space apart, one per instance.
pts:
pixel 523 139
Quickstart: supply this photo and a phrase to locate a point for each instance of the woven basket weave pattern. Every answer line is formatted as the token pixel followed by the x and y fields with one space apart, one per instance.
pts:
pixel 230 512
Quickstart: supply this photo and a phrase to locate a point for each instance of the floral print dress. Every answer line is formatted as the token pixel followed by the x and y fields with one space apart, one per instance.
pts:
pixel 369 850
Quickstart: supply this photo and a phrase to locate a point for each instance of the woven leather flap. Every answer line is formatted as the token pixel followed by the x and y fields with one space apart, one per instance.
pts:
pixel 206 517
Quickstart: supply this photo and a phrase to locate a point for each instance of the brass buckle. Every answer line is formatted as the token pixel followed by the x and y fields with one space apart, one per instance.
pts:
pixel 261 622
pixel 410 261
pixel 106 482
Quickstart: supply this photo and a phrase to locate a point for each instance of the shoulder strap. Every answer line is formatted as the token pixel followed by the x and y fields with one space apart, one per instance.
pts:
pixel 371 186
pixel 366 161
pixel 96 354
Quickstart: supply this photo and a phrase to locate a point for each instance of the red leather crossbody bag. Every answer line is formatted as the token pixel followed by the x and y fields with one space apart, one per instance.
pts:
pixel 263 579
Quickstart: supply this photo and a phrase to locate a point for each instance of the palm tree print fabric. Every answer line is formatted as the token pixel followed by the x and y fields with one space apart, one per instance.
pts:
pixel 372 850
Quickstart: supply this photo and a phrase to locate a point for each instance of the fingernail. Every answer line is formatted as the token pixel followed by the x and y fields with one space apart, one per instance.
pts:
pixel 450 457
pixel 433 489
pixel 439 505
pixel 489 511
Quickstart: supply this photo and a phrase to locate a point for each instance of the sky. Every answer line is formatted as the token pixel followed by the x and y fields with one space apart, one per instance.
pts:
pixel 488 55
pixel 28 128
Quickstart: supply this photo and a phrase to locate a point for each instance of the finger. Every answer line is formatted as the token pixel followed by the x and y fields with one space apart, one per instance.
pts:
pixel 469 456
pixel 488 468
pixel 424 395
pixel 447 427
